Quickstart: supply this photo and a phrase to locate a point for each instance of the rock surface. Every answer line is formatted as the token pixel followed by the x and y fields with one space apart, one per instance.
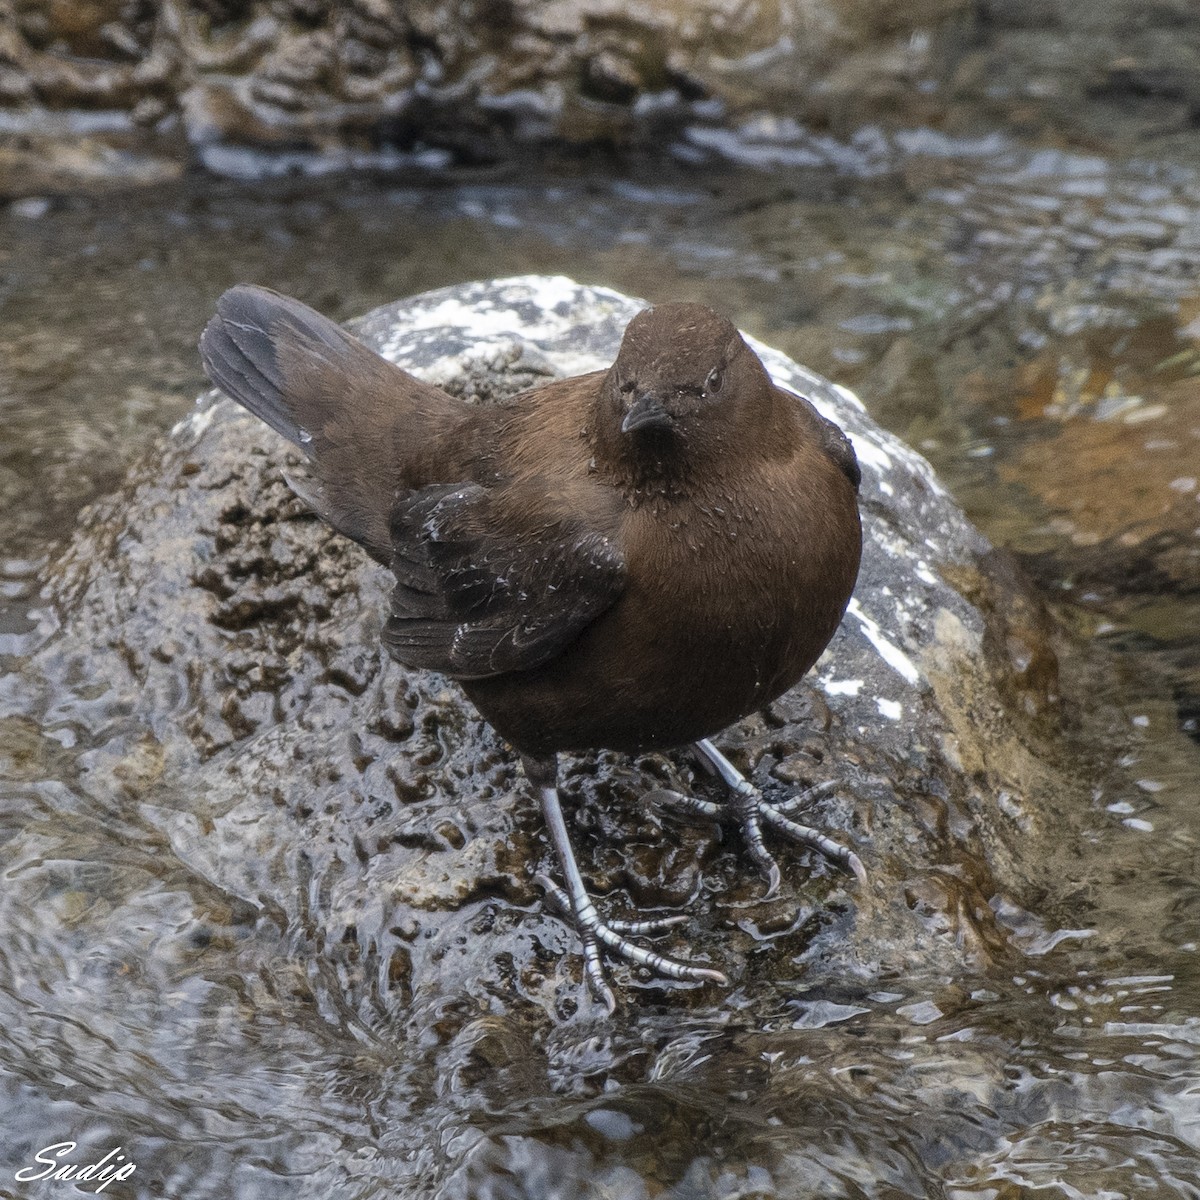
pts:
pixel 212 680
pixel 239 637
pixel 358 82
pixel 261 85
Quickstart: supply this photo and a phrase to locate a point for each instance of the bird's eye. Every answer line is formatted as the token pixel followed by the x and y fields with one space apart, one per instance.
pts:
pixel 714 380
pixel 627 387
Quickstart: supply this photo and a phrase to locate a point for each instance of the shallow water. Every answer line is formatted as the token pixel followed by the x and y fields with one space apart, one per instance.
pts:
pixel 1006 310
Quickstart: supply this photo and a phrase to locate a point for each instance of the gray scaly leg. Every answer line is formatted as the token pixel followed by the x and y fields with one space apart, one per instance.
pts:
pixel 573 901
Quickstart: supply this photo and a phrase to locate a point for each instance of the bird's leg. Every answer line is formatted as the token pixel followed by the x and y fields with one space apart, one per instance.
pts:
pixel 753 812
pixel 575 902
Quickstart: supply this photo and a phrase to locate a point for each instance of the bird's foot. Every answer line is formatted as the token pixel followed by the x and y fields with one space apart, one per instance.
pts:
pixel 752 812
pixel 574 903
pixel 615 936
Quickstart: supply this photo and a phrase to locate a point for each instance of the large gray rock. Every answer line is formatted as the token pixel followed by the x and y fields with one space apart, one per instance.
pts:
pixel 341 852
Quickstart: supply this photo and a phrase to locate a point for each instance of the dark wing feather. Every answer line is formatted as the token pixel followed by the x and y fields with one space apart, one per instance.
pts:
pixel 838 446
pixel 829 437
pixel 483 587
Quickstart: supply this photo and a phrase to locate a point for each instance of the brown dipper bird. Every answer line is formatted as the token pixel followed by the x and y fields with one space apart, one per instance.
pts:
pixel 631 559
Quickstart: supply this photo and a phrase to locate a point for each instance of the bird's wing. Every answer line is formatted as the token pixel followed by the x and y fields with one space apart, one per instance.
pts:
pixel 833 440
pixel 494 580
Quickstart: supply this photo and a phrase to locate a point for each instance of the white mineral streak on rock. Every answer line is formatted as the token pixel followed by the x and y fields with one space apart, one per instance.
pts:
pixel 888 651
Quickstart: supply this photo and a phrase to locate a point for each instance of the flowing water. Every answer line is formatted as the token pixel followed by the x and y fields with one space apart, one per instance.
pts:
pixel 1030 319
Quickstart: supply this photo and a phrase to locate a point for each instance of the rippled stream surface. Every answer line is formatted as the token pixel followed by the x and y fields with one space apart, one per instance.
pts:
pixel 1030 319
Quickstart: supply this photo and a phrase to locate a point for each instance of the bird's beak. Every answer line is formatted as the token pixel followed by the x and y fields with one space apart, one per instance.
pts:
pixel 646 412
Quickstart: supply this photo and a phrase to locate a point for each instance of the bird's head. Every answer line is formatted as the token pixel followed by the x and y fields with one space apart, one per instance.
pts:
pixel 683 382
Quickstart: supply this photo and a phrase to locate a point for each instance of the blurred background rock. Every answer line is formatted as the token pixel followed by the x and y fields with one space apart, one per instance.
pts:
pixel 95 89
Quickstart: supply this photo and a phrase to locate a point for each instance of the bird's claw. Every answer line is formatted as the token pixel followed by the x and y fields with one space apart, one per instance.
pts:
pixel 800 799
pixel 691 806
pixel 751 811
pixel 747 808
pixel 614 936
pixel 806 835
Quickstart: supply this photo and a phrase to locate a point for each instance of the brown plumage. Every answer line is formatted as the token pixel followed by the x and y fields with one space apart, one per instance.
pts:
pixel 631 559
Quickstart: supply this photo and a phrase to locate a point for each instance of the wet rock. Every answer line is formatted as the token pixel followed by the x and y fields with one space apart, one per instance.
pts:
pixel 238 637
pixel 349 840
pixel 470 79
pixel 478 81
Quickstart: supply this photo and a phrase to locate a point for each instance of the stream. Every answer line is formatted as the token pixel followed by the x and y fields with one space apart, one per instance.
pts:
pixel 1027 317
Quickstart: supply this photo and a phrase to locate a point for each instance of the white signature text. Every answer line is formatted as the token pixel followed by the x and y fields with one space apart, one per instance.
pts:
pixel 113 1166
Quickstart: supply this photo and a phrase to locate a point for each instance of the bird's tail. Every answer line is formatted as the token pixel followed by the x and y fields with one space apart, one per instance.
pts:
pixel 363 424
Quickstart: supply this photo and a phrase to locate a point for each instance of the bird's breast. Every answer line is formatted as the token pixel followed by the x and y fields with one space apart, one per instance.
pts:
pixel 713 592
pixel 726 605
